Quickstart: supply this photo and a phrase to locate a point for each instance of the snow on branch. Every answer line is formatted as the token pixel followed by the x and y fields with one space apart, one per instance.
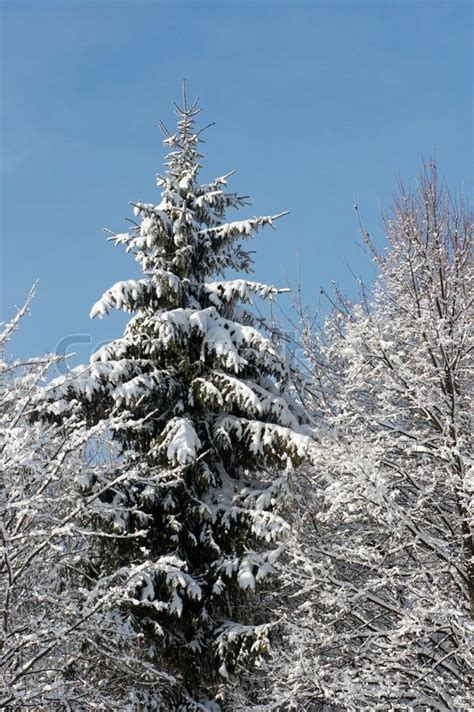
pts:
pixel 240 228
pixel 226 291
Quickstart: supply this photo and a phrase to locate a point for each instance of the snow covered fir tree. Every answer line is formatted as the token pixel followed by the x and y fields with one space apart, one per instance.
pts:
pixel 208 431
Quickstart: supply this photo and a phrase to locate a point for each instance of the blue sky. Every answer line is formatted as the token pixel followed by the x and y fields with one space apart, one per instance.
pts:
pixel 315 103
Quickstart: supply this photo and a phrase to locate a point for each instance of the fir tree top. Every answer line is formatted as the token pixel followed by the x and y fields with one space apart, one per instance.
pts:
pixel 185 233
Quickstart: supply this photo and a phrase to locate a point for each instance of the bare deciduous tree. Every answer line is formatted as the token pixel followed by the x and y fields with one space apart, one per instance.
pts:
pixel 381 583
pixel 60 647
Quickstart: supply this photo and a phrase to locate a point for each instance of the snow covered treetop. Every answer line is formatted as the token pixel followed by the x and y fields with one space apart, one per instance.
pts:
pixel 186 233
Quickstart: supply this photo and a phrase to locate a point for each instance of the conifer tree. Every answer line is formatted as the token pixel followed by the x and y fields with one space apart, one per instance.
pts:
pixel 210 431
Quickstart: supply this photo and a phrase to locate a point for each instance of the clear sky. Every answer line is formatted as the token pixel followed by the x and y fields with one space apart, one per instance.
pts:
pixel 316 103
